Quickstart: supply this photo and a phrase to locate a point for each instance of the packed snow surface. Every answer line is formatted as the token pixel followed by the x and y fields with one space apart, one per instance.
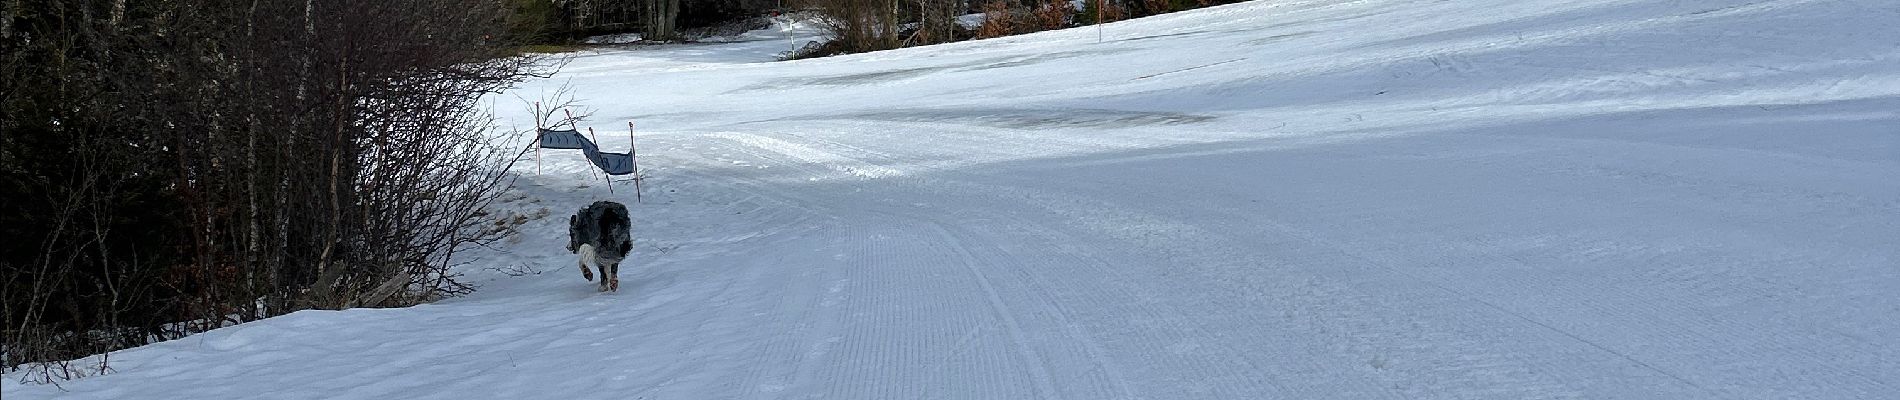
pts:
pixel 1476 199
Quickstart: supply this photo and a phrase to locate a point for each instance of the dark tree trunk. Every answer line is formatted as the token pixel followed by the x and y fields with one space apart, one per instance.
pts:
pixel 661 20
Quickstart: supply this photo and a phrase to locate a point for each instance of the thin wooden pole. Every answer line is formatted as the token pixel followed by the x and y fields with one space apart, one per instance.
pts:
pixel 633 152
pixel 590 170
pixel 591 167
pixel 537 138
pixel 575 124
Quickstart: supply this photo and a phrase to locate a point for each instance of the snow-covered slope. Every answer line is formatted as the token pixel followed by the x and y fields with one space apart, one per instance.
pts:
pixel 1502 199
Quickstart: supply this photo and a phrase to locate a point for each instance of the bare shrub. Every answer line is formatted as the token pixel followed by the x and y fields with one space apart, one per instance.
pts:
pixel 868 25
pixel 1055 14
pixel 999 19
pixel 937 22
pixel 1153 7
pixel 184 165
pixel 1115 11
pixel 857 25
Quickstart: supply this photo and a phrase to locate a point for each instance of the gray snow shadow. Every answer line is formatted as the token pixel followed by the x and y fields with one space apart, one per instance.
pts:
pixel 1327 20
pixel 1018 61
pixel 871 77
pixel 1167 35
pixel 876 77
pixel 845 80
pixel 1027 118
pixel 1277 38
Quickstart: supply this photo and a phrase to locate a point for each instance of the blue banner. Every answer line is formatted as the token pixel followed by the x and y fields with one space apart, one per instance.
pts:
pixel 612 163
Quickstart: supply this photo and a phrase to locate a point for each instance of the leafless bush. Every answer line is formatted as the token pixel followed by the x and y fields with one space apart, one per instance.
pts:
pixel 1111 11
pixel 725 29
pixel 870 25
pixel 999 19
pixel 1152 7
pixel 183 165
pixel 1004 18
pixel 937 22
pixel 1055 14
pixel 858 25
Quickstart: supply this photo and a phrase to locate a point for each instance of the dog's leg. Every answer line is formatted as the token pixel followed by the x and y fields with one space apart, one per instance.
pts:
pixel 604 277
pixel 613 277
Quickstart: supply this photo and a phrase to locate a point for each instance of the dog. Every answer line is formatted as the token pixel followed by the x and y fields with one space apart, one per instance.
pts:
pixel 601 234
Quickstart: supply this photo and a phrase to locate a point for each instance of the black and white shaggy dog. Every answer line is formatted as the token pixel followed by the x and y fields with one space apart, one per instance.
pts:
pixel 599 233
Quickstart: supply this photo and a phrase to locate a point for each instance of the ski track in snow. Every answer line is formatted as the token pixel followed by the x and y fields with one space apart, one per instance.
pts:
pixel 1379 199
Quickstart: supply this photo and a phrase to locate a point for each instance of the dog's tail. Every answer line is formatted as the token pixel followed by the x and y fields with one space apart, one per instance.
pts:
pixel 587 257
